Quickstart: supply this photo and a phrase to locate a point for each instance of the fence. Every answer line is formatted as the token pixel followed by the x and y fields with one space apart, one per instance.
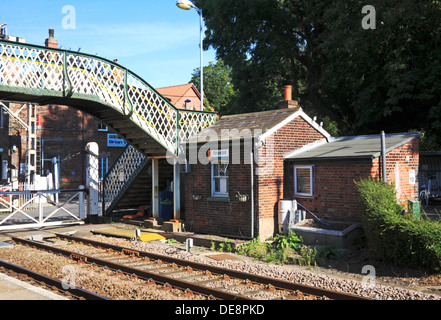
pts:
pixel 36 208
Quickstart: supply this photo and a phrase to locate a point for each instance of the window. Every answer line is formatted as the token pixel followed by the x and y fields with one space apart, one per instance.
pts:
pixel 219 179
pixel 304 181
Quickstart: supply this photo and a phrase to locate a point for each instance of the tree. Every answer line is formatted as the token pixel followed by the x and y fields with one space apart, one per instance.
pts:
pixel 366 80
pixel 386 78
pixel 268 44
pixel 218 88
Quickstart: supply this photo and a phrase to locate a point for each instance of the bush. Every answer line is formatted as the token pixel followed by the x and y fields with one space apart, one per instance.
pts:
pixel 395 237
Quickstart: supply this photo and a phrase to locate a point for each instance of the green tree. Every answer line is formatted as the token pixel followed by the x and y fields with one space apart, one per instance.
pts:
pixel 362 80
pixel 218 88
pixel 388 77
pixel 268 44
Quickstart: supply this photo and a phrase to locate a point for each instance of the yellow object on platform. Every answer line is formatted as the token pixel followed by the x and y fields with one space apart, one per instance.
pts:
pixel 130 234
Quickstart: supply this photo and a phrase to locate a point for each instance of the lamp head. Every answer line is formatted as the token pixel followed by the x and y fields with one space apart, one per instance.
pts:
pixel 185 4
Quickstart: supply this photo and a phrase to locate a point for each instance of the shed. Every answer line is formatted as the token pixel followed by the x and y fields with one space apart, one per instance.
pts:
pixel 322 175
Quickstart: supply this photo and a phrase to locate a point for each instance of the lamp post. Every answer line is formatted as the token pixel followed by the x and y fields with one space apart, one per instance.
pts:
pixel 187 5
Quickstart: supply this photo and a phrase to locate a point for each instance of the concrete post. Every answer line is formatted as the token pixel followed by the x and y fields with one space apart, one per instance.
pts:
pixel 176 190
pixel 155 188
pixel 82 212
pixel 92 178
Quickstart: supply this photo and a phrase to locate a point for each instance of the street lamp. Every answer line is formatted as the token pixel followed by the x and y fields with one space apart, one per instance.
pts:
pixel 187 5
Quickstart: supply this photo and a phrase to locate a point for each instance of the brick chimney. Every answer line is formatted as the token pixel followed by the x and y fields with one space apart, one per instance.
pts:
pixel 288 102
pixel 51 42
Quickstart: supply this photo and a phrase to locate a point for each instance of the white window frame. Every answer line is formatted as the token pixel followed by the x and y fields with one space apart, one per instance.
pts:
pixel 224 194
pixel 311 177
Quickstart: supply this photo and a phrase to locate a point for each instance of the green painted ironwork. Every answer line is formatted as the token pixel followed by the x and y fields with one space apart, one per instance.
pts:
pixel 40 71
pixel 40 74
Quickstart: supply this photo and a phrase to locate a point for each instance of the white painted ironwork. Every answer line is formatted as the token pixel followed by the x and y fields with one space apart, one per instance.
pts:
pixel 56 72
pixel 45 214
pixel 40 71
pixel 121 175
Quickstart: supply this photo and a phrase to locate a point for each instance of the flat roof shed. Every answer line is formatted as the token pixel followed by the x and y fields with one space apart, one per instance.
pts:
pixel 353 147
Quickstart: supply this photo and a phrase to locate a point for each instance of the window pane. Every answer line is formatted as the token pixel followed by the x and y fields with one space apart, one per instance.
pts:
pixel 216 185
pixel 303 179
pixel 223 186
pixel 220 170
pixel 223 170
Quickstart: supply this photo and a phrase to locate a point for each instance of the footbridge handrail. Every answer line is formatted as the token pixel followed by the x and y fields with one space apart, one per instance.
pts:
pixel 41 71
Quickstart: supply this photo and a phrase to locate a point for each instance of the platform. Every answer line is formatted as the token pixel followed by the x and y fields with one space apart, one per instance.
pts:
pixel 129 234
pixel 13 289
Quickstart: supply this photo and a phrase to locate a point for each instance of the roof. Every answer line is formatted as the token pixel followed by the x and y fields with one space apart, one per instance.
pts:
pixel 355 147
pixel 177 94
pixel 251 125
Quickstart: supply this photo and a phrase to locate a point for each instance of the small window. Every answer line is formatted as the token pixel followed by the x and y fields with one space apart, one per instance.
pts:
pixel 219 179
pixel 304 181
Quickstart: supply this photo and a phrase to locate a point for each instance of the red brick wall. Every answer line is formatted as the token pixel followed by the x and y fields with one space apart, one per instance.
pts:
pixel 398 164
pixel 335 193
pixel 231 218
pixel 65 132
pixel 270 186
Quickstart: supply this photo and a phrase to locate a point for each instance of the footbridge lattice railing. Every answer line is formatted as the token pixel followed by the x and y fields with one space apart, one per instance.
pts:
pixel 41 71
pixel 37 71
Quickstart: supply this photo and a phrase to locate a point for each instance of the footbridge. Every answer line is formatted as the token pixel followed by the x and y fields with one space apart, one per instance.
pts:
pixel 151 125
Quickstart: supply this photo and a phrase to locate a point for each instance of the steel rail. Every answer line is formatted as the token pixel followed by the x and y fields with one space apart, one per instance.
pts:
pixel 183 285
pixel 279 284
pixel 73 290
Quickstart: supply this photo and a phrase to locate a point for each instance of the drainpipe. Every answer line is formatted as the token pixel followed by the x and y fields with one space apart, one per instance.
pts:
pixel 252 195
pixel 257 146
pixel 383 155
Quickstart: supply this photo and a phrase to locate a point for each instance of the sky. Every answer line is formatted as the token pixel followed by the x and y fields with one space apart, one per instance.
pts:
pixel 153 38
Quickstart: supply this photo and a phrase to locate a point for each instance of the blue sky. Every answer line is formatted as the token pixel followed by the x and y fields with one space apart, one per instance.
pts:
pixel 153 38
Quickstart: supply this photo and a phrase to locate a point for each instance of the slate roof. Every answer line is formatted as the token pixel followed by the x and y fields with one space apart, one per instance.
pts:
pixel 233 127
pixel 355 147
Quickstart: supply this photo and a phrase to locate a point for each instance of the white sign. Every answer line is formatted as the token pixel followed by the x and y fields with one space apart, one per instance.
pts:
pixel 220 154
pixel 412 179
pixel 113 140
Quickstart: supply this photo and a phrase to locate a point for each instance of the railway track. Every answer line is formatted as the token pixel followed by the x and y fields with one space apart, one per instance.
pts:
pixel 190 278
pixel 53 284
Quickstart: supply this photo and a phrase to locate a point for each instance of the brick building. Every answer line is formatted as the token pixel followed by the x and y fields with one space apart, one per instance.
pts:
pixel 218 195
pixel 226 193
pixel 184 96
pixel 322 176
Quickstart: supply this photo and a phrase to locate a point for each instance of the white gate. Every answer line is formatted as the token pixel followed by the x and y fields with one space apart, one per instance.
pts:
pixel 39 210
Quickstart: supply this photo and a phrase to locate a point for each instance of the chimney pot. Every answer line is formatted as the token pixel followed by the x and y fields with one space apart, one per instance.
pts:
pixel 288 93
pixel 288 102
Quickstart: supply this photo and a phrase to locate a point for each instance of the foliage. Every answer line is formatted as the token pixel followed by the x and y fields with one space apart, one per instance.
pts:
pixel 282 249
pixel 218 89
pixel 291 240
pixel 364 81
pixel 395 237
